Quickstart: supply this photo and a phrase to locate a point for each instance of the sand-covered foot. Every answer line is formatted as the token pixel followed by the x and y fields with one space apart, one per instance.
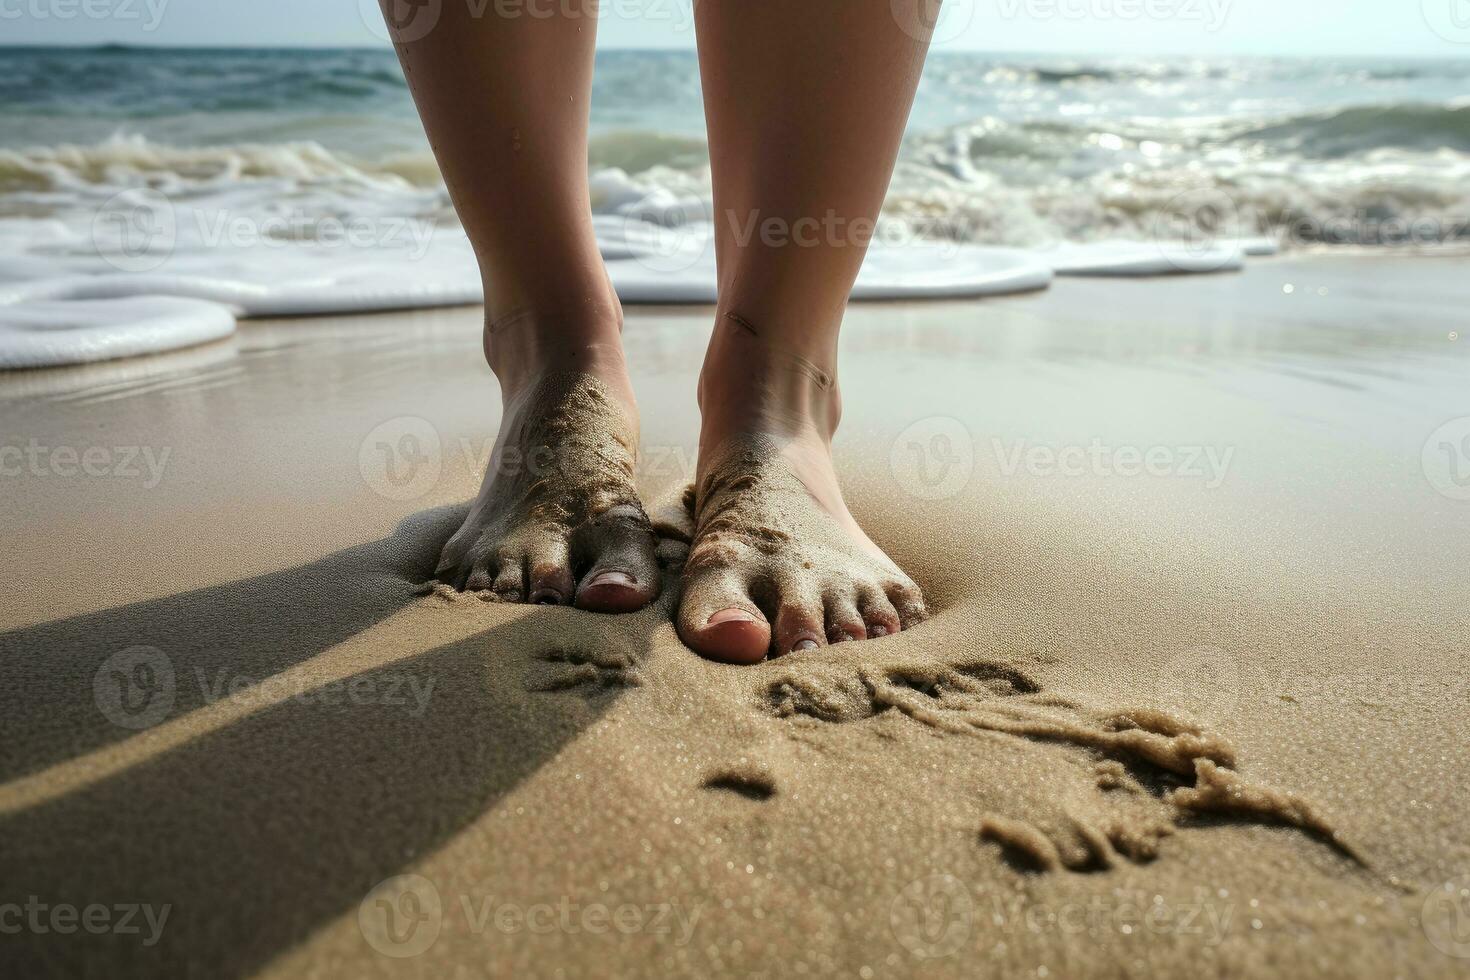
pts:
pixel 558 519
pixel 777 563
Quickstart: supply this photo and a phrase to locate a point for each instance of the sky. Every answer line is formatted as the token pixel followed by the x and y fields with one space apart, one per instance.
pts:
pixel 1386 28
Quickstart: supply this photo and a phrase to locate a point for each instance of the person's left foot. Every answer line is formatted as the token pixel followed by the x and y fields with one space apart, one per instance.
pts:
pixel 777 564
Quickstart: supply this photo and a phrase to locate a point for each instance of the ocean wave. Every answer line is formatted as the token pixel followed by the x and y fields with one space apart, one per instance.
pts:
pixel 988 183
pixel 1093 145
pixel 1363 129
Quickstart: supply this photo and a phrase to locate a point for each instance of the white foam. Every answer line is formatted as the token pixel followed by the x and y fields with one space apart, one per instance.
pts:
pixel 1128 258
pixel 658 265
pixel 143 248
pixel 40 334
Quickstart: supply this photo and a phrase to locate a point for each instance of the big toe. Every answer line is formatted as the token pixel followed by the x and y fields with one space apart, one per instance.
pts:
pixel 717 619
pixel 624 576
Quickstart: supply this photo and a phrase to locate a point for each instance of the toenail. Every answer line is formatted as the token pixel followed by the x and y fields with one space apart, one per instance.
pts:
pixel 804 645
pixel 546 597
pixel 731 616
pixel 612 578
pixel 877 631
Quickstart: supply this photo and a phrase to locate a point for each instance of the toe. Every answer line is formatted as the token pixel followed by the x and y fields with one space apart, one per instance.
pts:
pixel 878 613
pixel 798 620
pixel 550 580
pixel 908 602
pixel 510 580
pixel 717 619
pixel 478 580
pixel 843 621
pixel 624 574
pixel 455 569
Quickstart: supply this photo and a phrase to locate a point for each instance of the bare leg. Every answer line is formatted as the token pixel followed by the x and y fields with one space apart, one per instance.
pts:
pixel 504 97
pixel 806 104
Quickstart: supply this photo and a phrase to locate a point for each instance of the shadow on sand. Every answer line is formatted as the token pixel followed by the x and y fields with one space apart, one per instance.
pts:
pixel 259 832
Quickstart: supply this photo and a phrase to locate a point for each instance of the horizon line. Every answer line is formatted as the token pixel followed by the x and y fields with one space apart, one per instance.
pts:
pixel 663 49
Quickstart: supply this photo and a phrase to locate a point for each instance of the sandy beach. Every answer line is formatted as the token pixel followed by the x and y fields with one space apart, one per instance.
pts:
pixel 1192 701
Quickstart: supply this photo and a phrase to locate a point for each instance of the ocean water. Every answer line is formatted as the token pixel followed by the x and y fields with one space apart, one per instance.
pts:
pixel 274 181
pixel 1000 149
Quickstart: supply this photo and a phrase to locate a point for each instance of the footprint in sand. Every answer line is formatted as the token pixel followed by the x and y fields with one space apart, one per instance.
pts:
pixel 1148 774
pixel 587 671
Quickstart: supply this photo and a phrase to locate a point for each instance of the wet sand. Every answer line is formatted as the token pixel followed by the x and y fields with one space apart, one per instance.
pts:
pixel 1192 699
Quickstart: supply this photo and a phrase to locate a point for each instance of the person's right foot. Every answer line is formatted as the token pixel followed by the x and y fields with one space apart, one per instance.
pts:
pixel 558 519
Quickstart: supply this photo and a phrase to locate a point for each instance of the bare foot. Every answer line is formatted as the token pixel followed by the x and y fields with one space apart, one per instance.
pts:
pixel 558 519
pixel 777 563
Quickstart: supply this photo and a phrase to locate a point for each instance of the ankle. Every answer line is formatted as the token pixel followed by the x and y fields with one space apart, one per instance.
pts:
pixel 525 345
pixel 750 385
